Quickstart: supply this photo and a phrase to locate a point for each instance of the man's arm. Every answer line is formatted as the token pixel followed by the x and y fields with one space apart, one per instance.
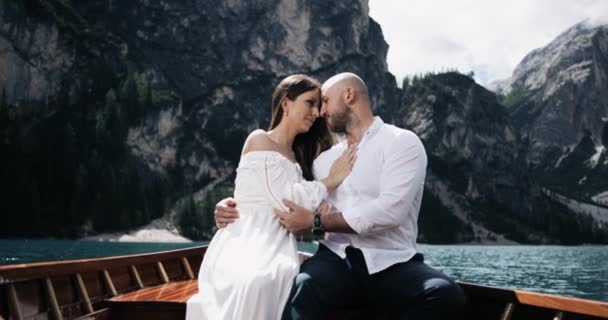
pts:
pixel 299 220
pixel 403 174
pixel 401 183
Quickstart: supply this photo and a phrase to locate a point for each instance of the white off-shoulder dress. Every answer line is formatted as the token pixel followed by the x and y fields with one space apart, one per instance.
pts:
pixel 250 265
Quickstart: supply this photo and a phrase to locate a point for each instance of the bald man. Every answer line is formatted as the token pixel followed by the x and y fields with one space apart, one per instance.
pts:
pixel 368 256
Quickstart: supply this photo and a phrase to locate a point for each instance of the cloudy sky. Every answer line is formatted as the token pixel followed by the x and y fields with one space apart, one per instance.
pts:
pixel 489 37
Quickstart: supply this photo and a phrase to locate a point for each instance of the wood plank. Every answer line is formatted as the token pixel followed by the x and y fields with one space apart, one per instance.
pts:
pixel 187 268
pixel 122 279
pixel 109 284
pixel 52 299
pixel 100 314
pixel 136 276
pixel 162 272
pixel 96 288
pixel 567 304
pixel 13 301
pixel 149 274
pixel 40 270
pixel 178 292
pixel 541 300
pixel 195 263
pixel 174 270
pixel 84 295
pixel 508 312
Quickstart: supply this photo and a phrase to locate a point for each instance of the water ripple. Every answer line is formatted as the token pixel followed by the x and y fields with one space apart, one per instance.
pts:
pixel 572 271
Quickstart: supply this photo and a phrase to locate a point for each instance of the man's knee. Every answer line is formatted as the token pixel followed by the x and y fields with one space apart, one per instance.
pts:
pixel 304 301
pixel 444 292
pixel 304 286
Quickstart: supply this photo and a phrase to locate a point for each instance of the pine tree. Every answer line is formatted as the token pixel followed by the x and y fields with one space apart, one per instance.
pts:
pixel 148 102
pixel 3 100
pixel 605 134
pixel 188 220
pixel 405 83
pixel 131 99
pixel 3 116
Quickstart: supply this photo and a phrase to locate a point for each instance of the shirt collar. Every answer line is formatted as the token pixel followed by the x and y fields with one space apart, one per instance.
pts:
pixel 375 126
pixel 371 130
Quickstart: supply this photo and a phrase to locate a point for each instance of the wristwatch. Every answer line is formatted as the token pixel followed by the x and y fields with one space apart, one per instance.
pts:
pixel 317 227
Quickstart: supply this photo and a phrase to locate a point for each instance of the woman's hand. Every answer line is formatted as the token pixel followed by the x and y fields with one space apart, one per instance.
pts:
pixel 341 168
pixel 225 212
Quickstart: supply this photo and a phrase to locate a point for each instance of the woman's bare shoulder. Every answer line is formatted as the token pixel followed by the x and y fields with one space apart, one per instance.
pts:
pixel 259 140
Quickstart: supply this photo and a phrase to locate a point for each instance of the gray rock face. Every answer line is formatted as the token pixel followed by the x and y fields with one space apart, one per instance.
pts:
pixel 220 58
pixel 209 66
pixel 33 58
pixel 183 83
pixel 473 149
pixel 558 101
pixel 559 92
pixel 462 124
pixel 223 58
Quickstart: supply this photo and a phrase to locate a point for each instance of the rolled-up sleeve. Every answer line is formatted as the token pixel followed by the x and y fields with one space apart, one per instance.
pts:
pixel 401 184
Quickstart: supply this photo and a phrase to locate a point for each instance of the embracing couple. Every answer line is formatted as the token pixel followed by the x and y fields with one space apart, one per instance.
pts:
pixel 363 193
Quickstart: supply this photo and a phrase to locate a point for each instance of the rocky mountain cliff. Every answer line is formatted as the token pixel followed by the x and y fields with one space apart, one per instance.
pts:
pixel 113 114
pixel 477 167
pixel 118 110
pixel 557 99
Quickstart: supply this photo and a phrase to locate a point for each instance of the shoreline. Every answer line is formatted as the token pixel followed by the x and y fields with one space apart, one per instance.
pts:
pixel 159 230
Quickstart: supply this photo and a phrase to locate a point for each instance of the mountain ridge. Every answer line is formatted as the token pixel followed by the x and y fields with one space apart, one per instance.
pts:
pixel 145 106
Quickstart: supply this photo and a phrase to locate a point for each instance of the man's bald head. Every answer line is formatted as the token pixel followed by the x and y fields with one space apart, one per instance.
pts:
pixel 345 80
pixel 346 105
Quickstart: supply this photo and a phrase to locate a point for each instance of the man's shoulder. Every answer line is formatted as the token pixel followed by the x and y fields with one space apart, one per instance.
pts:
pixel 391 130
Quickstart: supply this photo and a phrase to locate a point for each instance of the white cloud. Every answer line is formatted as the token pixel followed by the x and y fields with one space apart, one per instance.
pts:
pixel 489 37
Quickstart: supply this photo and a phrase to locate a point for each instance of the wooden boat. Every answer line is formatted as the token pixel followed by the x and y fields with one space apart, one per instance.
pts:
pixel 157 286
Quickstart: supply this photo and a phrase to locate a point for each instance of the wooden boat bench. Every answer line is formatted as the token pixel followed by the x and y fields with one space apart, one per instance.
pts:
pixel 165 301
pixel 82 289
pixel 168 301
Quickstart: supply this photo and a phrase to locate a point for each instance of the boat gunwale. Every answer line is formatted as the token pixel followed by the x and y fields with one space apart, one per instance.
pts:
pixel 542 300
pixel 37 270
pixel 40 270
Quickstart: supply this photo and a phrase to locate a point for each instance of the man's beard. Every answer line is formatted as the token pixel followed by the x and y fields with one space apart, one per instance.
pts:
pixel 340 120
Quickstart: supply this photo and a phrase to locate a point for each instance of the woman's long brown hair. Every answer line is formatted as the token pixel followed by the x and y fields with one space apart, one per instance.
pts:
pixel 307 145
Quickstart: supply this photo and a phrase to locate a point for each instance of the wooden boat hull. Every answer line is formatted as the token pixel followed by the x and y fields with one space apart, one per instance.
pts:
pixel 157 286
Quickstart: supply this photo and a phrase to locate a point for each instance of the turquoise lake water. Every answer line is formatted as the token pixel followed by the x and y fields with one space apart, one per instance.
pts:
pixel 580 271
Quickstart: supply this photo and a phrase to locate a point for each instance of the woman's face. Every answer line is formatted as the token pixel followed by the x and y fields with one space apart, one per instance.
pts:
pixel 303 111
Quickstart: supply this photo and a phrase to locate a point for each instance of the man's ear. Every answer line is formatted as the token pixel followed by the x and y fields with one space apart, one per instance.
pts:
pixel 349 95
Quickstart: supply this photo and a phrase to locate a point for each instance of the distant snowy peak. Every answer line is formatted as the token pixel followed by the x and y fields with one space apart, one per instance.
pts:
pixel 565 58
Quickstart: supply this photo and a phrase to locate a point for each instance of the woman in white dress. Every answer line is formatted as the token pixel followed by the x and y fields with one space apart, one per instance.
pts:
pixel 249 267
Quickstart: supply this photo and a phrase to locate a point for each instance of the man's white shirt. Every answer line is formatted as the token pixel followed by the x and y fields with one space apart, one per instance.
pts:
pixel 381 197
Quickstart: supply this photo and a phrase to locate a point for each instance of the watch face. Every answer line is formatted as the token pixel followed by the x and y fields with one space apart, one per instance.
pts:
pixel 317 229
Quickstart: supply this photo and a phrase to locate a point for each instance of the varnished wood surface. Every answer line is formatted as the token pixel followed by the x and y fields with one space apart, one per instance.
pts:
pixel 167 301
pixel 481 296
pixel 39 270
pixel 179 292
pixel 588 307
pixel 53 289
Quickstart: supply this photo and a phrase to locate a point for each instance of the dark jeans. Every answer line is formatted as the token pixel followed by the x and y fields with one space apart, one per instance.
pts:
pixel 409 290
